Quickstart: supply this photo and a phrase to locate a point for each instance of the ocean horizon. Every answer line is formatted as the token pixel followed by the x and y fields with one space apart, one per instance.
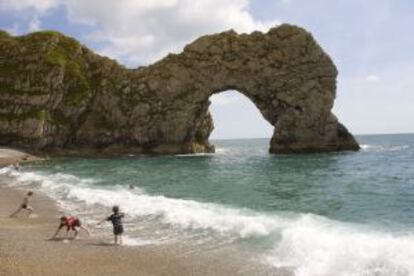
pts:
pixel 268 138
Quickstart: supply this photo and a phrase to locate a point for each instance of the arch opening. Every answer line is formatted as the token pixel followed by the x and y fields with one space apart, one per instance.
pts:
pixel 235 116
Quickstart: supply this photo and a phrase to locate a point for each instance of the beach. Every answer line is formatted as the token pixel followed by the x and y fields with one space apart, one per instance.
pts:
pixel 10 156
pixel 239 211
pixel 25 248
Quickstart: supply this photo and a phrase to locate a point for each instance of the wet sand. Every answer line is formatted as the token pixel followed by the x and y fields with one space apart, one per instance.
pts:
pixel 11 156
pixel 25 248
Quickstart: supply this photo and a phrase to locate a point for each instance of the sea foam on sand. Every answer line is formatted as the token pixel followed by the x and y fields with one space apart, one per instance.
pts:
pixel 307 243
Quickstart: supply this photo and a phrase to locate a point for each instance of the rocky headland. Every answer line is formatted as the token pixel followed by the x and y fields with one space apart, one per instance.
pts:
pixel 57 95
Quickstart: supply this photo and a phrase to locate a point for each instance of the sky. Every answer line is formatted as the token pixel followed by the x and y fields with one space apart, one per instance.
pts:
pixel 370 41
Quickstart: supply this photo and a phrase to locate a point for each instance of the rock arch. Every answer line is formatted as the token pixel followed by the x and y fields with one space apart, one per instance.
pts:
pixel 92 102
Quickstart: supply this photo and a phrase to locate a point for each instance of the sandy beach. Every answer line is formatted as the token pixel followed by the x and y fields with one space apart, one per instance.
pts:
pixel 11 156
pixel 25 248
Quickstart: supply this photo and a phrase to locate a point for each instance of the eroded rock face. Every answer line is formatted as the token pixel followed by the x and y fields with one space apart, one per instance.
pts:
pixel 57 94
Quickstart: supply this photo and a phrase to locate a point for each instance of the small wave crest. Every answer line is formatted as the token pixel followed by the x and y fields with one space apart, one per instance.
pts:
pixel 217 151
pixel 381 148
pixel 222 150
pixel 193 154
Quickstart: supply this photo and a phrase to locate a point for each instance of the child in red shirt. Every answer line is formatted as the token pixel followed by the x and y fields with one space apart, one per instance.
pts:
pixel 71 223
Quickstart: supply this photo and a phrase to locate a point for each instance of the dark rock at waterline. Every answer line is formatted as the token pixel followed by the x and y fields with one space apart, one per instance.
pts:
pixel 57 94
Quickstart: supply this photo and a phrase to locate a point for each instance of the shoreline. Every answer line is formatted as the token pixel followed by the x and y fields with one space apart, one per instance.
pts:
pixel 9 156
pixel 26 250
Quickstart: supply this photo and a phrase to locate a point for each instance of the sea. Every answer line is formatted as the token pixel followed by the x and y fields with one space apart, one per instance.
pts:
pixel 340 213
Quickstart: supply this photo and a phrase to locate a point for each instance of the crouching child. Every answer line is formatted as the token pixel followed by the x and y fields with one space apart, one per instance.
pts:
pixel 71 223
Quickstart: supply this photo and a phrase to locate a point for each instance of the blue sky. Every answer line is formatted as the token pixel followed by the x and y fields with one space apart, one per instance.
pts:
pixel 370 41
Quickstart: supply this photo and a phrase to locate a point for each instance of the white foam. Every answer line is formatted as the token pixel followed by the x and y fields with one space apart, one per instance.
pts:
pixel 186 214
pixel 128 241
pixel 194 154
pixel 309 244
pixel 317 246
pixel 366 147
pixel 381 148
pixel 222 150
pixel 6 170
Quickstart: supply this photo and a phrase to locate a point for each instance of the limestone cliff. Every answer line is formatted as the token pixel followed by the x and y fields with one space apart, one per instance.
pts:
pixel 57 94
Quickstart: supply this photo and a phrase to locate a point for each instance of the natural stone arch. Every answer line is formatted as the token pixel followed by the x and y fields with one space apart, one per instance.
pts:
pixel 163 108
pixel 284 73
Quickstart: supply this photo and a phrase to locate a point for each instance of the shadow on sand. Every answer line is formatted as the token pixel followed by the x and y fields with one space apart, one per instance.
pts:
pixel 102 243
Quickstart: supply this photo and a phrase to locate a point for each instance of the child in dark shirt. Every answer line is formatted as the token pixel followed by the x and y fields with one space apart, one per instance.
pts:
pixel 116 219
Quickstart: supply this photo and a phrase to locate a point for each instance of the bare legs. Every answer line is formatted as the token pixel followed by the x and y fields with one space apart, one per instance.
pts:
pixel 118 239
pixel 28 208
pixel 85 229
pixel 16 212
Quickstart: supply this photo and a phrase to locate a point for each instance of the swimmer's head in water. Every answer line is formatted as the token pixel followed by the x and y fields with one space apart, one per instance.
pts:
pixel 30 193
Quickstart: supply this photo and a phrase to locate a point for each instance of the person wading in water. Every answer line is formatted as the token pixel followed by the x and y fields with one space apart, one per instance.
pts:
pixel 116 219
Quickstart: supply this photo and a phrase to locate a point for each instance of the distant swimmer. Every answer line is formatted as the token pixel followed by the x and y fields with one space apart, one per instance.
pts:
pixel 131 187
pixel 16 166
pixel 116 219
pixel 71 223
pixel 25 205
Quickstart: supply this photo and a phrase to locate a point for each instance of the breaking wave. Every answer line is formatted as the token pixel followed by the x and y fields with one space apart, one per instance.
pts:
pixel 306 243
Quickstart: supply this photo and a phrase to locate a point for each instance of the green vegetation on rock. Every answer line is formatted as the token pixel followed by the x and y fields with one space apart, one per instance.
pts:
pixel 38 114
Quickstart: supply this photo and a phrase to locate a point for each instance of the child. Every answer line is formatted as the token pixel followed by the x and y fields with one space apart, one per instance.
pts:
pixel 71 223
pixel 116 219
pixel 25 205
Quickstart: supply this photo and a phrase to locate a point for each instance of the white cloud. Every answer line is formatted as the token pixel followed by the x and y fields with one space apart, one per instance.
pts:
pixel 373 78
pixel 34 24
pixel 39 6
pixel 141 32
pixel 33 10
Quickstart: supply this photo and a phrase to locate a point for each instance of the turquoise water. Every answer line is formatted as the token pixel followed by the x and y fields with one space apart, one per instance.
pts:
pixel 288 207
pixel 375 185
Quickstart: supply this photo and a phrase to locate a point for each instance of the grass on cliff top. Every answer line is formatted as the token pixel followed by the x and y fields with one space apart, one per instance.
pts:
pixel 55 49
pixel 4 34
pixel 59 49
